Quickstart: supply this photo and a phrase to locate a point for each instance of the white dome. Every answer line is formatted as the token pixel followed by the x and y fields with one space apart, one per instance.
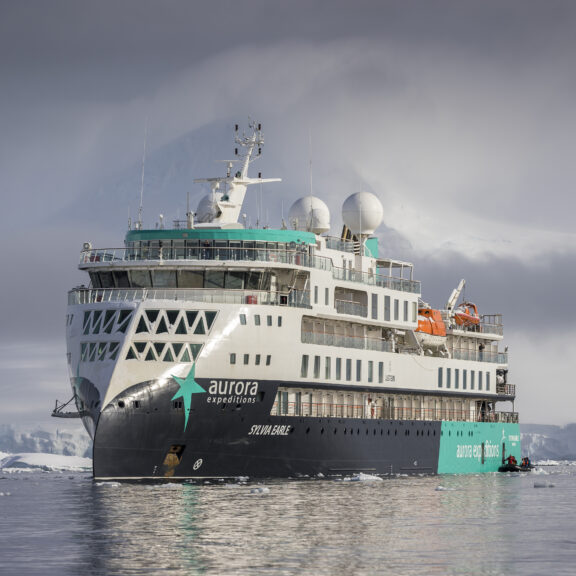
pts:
pixel 362 213
pixel 310 214
pixel 206 210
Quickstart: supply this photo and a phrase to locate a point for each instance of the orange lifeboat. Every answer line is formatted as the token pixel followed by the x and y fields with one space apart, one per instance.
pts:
pixel 430 322
pixel 466 314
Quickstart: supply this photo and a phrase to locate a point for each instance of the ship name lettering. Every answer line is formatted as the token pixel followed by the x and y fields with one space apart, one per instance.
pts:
pixel 475 451
pixel 233 387
pixel 270 430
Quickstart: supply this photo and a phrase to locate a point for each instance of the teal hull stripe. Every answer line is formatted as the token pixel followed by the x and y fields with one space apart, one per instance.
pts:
pixel 474 447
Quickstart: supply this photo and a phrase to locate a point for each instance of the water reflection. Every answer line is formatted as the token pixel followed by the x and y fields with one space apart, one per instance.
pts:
pixel 405 525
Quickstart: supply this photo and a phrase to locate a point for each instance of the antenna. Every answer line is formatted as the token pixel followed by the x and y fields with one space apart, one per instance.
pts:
pixel 139 224
pixel 310 152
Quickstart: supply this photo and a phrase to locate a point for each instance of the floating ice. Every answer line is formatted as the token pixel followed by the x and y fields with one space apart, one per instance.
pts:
pixel 260 490
pixel 363 478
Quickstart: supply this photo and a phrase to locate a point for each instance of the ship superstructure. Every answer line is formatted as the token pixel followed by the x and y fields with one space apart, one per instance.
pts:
pixel 215 350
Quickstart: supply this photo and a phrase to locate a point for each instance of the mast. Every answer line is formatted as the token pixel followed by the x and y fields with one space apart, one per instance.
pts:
pixel 228 191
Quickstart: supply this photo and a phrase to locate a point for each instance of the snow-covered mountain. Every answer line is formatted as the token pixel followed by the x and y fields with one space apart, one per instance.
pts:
pixel 66 442
pixel 546 442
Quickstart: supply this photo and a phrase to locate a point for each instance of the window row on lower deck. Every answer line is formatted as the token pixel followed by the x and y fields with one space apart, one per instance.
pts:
pixel 365 405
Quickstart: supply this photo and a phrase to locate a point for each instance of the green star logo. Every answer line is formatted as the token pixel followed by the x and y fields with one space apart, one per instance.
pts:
pixel 188 386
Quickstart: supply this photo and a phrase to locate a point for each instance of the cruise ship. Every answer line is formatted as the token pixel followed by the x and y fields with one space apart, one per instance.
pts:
pixel 212 349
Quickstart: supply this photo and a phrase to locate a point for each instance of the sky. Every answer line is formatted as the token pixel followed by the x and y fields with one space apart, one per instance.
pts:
pixel 460 115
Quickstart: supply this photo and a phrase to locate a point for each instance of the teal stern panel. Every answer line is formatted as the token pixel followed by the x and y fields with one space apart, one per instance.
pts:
pixel 474 447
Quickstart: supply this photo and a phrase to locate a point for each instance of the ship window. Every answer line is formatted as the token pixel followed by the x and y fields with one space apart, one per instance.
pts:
pixel 186 355
pixel 396 309
pixel 316 366
pixel 246 359
pixel 95 279
pixel 172 316
pixel 257 360
pixel 479 380
pixel 191 317
pixel 195 350
pixel 232 357
pixel 92 356
pixel 209 319
pixel 414 312
pixel 150 355
pixel 487 380
pixel 448 377
pixel 387 308
pixel 140 279
pixel 121 279
pixel 106 280
pixel 109 321
pixel 269 320
pixel 472 378
pixel 358 370
pixel 169 357
pixel 370 370
pixel 177 348
pixel 142 327
pixel 380 372
pixel 164 278
pixel 338 368
pixel 86 322
pixel 181 329
pixel 327 296
pixel 374 306
pixel 304 366
pixel 200 327
pixel 439 377
pixel 84 351
pixel 457 378
pixel 123 320
pixel 162 328
pixel 268 360
pixel 152 315
pixel 130 355
pixel 191 279
pixel 257 319
pixel 96 322
pixel 279 321
pixel 243 319
pixel 348 369
pixel 101 350
pixel 159 347
pixel 464 379
pixel 214 279
pixel 328 369
pixel 315 294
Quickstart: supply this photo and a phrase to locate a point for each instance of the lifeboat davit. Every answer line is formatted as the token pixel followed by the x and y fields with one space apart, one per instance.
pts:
pixel 466 314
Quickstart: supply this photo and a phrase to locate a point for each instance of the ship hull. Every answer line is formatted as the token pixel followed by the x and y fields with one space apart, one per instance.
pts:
pixel 237 436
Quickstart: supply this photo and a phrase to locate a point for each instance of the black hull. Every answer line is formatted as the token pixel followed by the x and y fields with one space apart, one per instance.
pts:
pixel 140 435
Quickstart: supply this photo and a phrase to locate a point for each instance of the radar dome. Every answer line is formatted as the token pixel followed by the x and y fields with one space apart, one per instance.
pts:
pixel 310 214
pixel 206 210
pixel 362 213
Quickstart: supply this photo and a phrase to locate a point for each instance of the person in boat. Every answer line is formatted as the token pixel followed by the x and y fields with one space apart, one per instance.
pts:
pixel 525 462
pixel 511 460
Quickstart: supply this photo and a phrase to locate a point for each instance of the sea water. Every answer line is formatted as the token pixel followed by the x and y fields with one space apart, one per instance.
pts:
pixel 66 523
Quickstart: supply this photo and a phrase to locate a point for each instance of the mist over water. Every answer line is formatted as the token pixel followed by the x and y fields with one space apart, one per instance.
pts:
pixel 65 523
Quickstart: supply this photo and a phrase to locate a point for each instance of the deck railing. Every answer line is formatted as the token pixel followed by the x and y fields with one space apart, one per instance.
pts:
pixel 357 342
pixel 362 411
pixel 119 256
pixel 295 298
